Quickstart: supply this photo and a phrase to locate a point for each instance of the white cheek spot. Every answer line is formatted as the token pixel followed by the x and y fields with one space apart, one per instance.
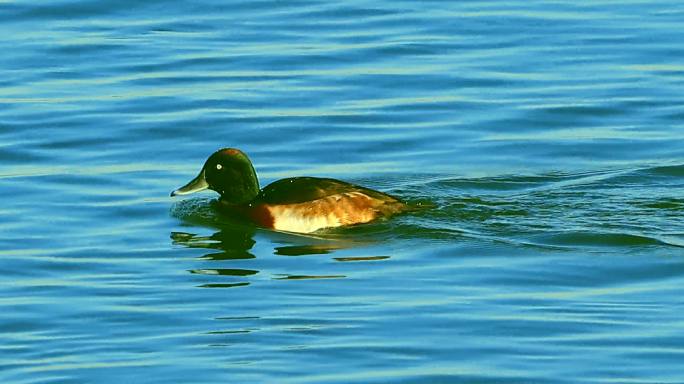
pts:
pixel 219 166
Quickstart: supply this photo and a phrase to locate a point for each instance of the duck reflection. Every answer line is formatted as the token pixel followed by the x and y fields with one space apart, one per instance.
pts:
pixel 232 243
pixel 307 249
pixel 235 241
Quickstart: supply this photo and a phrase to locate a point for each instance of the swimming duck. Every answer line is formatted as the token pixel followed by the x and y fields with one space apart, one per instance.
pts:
pixel 297 204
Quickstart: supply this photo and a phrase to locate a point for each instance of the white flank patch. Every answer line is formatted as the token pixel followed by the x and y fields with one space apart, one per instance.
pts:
pixel 289 219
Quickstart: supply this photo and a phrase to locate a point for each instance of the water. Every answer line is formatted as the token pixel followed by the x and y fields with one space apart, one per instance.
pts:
pixel 547 136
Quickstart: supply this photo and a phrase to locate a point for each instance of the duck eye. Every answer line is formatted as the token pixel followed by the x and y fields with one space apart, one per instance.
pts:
pixel 219 166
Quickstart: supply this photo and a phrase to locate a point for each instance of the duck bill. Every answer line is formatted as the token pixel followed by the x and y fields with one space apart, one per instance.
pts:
pixel 197 184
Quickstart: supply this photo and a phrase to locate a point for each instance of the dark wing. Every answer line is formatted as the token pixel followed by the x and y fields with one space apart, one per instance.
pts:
pixel 300 189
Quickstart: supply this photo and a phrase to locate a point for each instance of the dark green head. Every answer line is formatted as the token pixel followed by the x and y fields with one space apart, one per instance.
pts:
pixel 229 172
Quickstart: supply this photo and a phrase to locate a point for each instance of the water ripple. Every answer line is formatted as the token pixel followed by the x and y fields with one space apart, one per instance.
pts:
pixel 540 143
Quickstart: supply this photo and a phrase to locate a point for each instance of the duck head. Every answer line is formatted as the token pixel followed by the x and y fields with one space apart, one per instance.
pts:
pixel 229 172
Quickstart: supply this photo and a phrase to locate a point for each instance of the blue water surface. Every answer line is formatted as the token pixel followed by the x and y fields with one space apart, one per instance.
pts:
pixel 546 137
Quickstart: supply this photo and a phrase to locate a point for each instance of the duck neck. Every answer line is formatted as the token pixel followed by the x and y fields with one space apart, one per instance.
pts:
pixel 242 190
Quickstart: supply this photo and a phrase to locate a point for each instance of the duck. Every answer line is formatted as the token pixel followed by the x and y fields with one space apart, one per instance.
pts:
pixel 296 204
